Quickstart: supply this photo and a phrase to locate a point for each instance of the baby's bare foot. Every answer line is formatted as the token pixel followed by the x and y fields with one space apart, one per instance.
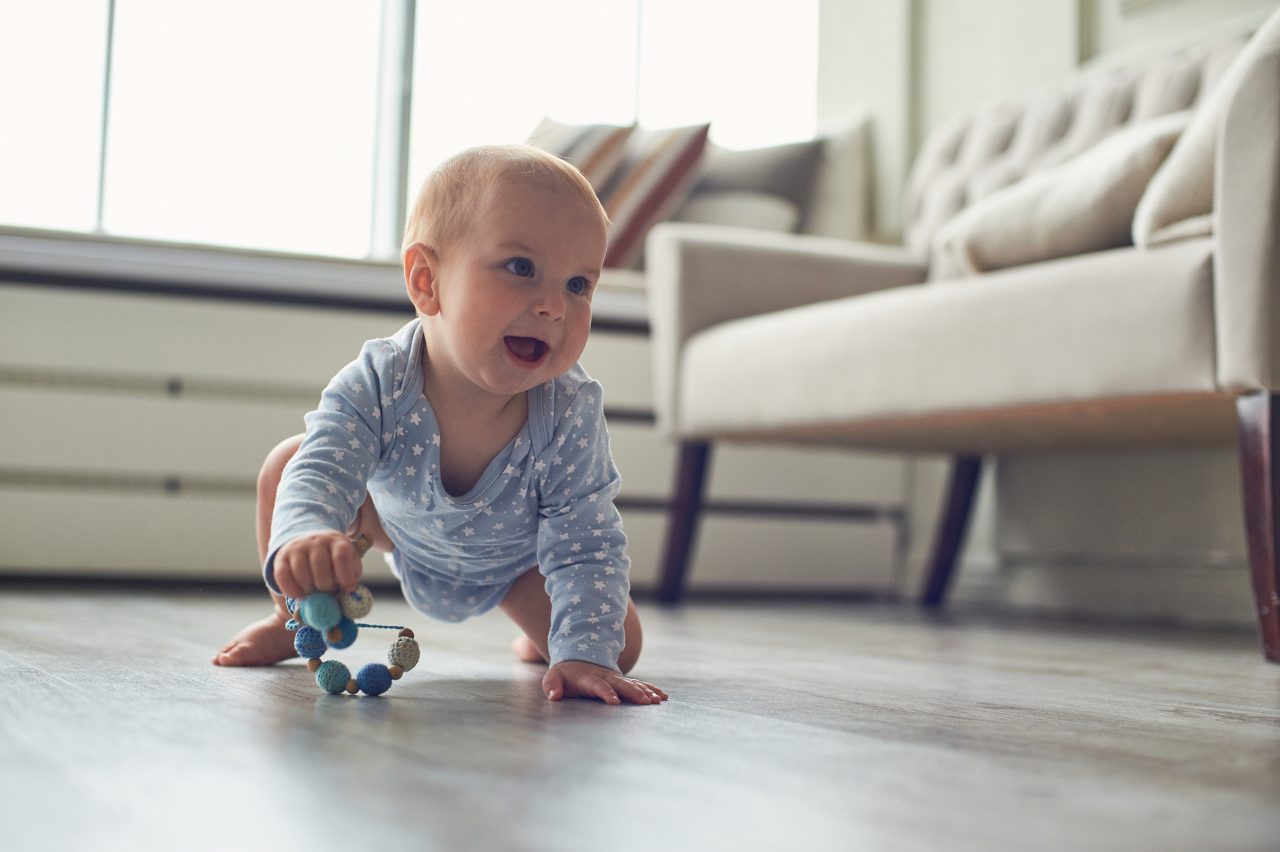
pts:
pixel 526 650
pixel 260 644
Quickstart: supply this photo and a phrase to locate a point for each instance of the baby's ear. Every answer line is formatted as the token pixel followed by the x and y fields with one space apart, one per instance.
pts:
pixel 420 265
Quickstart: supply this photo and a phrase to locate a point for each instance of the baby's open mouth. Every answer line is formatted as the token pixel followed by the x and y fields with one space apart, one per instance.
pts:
pixel 527 349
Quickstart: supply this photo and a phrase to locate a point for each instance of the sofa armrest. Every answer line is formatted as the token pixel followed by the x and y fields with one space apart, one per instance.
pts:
pixel 700 276
pixel 1247 224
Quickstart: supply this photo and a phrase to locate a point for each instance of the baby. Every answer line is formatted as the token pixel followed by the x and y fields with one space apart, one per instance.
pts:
pixel 470 446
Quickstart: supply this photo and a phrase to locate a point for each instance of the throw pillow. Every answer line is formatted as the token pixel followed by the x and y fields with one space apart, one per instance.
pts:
pixel 843 184
pixel 1083 205
pixel 784 171
pixel 596 149
pixel 656 175
pixel 1179 201
pixel 760 211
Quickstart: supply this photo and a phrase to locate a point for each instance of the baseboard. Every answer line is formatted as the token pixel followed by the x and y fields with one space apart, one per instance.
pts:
pixel 1212 592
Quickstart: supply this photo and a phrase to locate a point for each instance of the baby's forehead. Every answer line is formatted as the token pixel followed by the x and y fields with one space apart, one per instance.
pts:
pixel 518 190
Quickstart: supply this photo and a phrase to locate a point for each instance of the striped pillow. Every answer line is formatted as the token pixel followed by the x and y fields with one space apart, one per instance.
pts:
pixel 656 175
pixel 596 149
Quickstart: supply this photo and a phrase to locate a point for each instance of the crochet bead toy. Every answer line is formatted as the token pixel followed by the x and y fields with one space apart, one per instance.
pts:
pixel 325 620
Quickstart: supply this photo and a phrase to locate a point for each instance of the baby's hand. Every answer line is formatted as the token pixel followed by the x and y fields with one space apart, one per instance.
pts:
pixel 327 561
pixel 579 679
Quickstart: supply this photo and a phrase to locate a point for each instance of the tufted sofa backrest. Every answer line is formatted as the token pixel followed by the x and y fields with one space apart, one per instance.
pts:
pixel 974 155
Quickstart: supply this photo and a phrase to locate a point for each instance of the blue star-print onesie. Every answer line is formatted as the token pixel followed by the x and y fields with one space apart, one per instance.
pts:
pixel 547 499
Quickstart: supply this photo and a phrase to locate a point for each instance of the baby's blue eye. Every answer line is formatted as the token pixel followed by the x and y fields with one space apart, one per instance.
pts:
pixel 520 266
pixel 577 285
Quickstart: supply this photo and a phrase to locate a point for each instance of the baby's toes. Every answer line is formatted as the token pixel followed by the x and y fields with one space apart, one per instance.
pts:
pixel 229 654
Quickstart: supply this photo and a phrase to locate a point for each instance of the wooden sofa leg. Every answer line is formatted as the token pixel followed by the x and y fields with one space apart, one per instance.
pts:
pixel 1258 417
pixel 691 475
pixel 952 526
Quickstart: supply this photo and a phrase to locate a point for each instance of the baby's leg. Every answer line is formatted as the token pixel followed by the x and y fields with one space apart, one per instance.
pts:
pixel 266 641
pixel 528 605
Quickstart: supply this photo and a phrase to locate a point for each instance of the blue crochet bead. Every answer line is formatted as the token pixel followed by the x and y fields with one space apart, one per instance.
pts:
pixel 332 676
pixel 321 611
pixel 309 643
pixel 291 604
pixel 292 624
pixel 373 679
pixel 349 631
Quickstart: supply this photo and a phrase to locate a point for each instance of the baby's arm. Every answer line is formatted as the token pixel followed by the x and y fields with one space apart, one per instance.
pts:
pixel 324 484
pixel 582 553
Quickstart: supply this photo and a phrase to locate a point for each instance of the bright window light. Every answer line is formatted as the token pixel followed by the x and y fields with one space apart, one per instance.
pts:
pixel 51 73
pixel 751 70
pixel 244 123
pixel 253 124
pixel 487 71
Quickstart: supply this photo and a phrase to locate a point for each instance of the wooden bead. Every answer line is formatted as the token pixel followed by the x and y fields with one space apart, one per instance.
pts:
pixel 334 636
pixel 313 664
pixel 396 672
pixel 352 686
pixel 407 632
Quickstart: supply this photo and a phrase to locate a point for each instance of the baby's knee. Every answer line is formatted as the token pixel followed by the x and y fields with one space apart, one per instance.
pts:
pixel 630 654
pixel 274 464
pixel 634 639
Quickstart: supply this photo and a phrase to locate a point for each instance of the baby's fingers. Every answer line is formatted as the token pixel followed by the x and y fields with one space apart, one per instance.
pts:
pixel 637 692
pixel 656 694
pixel 346 565
pixel 321 569
pixel 283 571
pixel 598 687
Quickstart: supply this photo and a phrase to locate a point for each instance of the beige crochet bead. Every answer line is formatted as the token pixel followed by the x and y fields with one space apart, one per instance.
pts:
pixel 356 604
pixel 404 653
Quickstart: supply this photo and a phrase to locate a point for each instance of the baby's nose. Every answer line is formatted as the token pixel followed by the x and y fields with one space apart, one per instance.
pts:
pixel 550 303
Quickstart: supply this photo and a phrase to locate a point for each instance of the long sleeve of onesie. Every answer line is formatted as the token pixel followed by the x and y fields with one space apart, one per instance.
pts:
pixel 581 543
pixel 325 483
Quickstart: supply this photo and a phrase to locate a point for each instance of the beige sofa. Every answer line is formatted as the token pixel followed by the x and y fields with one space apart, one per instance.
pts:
pixel 1020 313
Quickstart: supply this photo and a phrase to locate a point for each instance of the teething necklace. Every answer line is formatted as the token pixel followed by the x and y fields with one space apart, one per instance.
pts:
pixel 326 620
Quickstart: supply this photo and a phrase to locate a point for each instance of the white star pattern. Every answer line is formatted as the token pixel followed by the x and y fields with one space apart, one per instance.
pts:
pixel 555 495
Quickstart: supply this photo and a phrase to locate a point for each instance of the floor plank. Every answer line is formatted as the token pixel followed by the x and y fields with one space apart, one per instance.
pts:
pixel 836 726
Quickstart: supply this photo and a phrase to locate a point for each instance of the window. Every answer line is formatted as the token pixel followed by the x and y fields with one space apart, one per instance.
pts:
pixel 243 123
pixel 752 74
pixel 487 71
pixel 49 149
pixel 278 126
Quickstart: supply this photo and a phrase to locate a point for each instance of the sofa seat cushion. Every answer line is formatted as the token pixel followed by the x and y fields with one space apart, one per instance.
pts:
pixel 1127 323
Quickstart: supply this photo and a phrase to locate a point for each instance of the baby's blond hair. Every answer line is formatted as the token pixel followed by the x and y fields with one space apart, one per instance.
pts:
pixel 453 188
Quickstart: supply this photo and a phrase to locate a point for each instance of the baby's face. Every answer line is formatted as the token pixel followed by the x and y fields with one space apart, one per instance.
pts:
pixel 515 288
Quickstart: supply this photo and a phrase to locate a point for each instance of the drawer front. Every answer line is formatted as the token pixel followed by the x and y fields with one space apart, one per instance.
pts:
pixel 158 435
pixel 84 533
pixel 762 554
pixel 69 329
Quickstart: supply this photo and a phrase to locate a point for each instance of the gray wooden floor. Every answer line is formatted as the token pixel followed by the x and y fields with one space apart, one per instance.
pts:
pixel 789 727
